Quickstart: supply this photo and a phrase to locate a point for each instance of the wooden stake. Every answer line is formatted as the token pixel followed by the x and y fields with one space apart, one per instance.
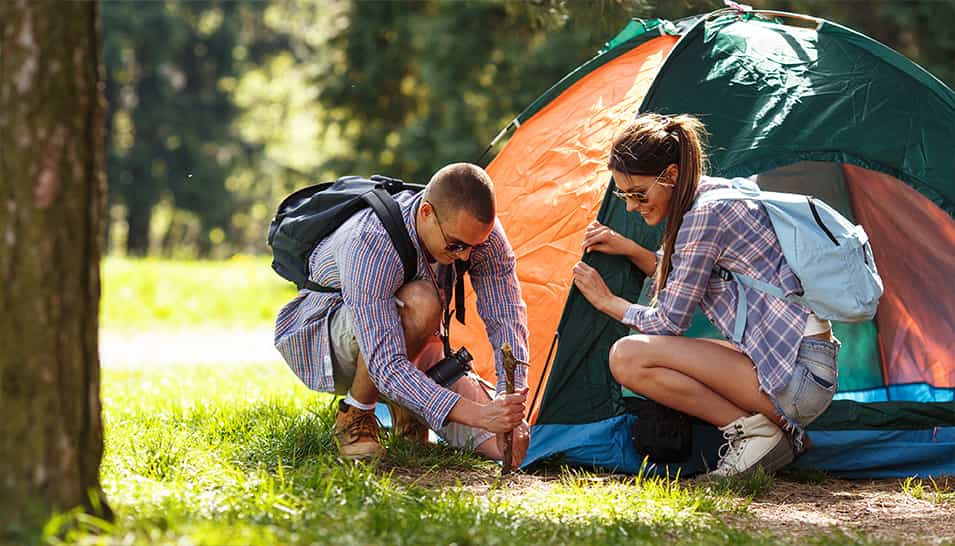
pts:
pixel 510 364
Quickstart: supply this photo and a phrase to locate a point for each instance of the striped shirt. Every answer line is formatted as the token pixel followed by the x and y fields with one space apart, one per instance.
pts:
pixel 360 259
pixel 737 235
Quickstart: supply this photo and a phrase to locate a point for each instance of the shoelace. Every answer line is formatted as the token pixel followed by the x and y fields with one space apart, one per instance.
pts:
pixel 364 424
pixel 732 444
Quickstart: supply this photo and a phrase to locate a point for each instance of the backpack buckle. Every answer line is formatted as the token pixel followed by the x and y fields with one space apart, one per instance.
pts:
pixel 386 181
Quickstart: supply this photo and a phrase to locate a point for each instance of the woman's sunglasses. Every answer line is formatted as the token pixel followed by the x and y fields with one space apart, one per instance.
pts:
pixel 641 196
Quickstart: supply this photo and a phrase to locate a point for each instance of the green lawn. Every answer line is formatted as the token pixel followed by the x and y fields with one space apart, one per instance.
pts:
pixel 218 455
pixel 199 454
pixel 243 454
pixel 153 294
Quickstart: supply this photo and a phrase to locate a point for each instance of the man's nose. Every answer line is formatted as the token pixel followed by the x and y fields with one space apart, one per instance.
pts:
pixel 465 254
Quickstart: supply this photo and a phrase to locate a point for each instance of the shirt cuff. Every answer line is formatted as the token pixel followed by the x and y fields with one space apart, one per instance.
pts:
pixel 632 315
pixel 439 409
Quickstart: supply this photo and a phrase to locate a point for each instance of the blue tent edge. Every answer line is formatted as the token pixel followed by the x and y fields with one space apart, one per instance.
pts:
pixel 856 454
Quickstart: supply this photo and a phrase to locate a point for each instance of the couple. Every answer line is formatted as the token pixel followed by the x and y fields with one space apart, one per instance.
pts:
pixel 379 335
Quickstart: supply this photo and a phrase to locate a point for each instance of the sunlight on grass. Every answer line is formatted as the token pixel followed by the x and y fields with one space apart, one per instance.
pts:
pixel 941 491
pixel 244 455
pixel 151 294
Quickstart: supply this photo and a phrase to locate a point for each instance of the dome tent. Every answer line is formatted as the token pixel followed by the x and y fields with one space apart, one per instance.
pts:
pixel 814 109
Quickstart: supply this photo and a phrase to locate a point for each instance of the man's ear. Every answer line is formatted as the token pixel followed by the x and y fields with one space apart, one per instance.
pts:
pixel 426 208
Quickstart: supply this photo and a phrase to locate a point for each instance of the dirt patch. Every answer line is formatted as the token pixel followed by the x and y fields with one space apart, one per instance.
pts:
pixel 877 511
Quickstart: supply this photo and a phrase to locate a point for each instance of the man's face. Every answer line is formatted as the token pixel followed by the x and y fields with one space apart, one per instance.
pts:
pixel 450 235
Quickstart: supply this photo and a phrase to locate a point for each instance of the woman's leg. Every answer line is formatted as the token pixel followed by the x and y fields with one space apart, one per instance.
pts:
pixel 711 381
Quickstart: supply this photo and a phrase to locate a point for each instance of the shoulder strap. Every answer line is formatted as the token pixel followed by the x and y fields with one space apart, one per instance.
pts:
pixel 460 268
pixel 387 210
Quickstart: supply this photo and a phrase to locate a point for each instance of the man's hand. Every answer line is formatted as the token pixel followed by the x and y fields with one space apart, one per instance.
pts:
pixel 504 413
pixel 519 442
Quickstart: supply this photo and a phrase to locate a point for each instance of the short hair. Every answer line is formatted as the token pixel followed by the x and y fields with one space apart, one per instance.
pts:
pixel 463 187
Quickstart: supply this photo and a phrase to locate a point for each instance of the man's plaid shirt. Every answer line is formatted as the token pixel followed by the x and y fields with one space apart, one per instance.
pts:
pixel 360 258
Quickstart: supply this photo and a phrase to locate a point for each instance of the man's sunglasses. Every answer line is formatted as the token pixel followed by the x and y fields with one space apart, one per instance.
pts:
pixel 451 245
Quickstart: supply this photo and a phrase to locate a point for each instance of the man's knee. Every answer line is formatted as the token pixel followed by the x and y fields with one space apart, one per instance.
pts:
pixel 628 358
pixel 421 309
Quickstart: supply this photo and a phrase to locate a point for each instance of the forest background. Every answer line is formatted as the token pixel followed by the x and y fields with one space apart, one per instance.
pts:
pixel 217 110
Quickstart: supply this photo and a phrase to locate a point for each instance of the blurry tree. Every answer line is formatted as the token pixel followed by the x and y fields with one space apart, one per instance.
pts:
pixel 171 68
pixel 412 86
pixel 51 187
pixel 218 109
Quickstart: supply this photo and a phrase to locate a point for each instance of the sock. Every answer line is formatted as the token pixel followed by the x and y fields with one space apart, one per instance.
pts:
pixel 355 403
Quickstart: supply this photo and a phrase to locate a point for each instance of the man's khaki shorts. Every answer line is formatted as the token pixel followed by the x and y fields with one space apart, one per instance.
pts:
pixel 345 352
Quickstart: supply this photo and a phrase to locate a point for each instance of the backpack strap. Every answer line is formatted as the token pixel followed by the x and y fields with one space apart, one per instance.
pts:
pixel 386 208
pixel 743 282
pixel 460 268
pixel 388 212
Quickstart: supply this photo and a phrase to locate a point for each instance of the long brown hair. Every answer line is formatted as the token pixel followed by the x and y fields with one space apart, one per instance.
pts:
pixel 647 147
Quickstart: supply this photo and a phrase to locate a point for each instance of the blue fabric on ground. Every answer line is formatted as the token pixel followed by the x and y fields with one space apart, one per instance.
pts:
pixel 882 453
pixel 844 454
pixel 607 445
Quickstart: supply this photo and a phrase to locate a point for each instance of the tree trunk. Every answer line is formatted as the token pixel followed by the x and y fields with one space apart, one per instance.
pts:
pixel 51 214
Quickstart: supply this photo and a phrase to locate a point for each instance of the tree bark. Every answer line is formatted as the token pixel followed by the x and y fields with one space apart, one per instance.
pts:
pixel 51 213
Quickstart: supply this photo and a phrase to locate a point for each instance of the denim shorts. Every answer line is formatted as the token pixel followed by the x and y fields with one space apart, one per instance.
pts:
pixel 813 384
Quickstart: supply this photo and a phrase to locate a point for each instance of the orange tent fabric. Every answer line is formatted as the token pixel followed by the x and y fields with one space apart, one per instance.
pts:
pixel 549 182
pixel 910 240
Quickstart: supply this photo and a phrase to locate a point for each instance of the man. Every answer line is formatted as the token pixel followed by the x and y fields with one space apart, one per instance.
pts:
pixel 378 335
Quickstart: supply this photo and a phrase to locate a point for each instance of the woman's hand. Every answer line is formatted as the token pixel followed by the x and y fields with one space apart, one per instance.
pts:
pixel 593 287
pixel 603 239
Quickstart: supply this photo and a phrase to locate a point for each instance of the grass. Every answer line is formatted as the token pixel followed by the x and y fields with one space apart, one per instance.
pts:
pixel 941 491
pixel 244 455
pixel 153 294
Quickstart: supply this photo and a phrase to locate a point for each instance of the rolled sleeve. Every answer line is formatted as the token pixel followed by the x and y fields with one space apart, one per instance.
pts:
pixel 371 273
pixel 494 278
pixel 695 253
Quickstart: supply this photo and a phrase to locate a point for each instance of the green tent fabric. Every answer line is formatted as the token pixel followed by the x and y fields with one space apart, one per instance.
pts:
pixel 806 110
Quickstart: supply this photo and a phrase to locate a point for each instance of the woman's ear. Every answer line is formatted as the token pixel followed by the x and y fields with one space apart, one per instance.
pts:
pixel 673 173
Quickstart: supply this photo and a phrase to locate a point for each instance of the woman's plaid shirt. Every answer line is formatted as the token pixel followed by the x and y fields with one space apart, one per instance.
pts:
pixel 737 235
pixel 360 258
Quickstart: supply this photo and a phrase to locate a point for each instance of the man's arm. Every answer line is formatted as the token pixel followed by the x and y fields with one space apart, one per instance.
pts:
pixel 371 272
pixel 494 278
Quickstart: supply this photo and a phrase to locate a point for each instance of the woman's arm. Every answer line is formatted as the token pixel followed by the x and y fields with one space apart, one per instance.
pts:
pixel 601 238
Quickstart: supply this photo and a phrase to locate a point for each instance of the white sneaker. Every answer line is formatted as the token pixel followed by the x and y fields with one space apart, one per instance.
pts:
pixel 753 442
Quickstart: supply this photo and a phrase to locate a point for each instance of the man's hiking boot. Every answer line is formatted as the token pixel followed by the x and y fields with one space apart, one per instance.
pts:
pixel 405 424
pixel 753 442
pixel 356 431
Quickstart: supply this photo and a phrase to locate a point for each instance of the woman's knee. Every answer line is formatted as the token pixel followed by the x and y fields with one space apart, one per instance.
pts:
pixel 420 310
pixel 628 358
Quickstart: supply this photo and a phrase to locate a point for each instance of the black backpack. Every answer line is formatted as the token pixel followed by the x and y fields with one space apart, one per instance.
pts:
pixel 311 214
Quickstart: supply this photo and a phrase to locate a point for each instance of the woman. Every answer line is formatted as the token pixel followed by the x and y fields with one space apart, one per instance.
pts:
pixel 782 374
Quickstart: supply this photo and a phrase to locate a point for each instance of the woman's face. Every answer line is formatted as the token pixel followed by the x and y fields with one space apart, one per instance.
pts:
pixel 647 194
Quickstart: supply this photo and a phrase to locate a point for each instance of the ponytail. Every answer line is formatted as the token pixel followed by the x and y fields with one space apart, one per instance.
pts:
pixel 649 145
